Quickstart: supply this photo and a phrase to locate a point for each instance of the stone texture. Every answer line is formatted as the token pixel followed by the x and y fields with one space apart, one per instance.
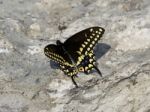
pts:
pixel 29 83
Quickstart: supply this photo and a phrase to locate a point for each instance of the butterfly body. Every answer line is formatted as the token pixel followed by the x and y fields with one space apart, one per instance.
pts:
pixel 76 53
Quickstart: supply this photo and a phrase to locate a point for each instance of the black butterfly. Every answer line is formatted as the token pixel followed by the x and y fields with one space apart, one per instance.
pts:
pixel 76 53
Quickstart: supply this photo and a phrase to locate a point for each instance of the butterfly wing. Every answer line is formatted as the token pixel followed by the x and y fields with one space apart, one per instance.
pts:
pixel 88 63
pixel 83 42
pixel 55 53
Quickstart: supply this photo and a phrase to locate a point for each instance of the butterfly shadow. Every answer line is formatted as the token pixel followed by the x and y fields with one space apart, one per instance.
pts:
pixel 54 65
pixel 101 49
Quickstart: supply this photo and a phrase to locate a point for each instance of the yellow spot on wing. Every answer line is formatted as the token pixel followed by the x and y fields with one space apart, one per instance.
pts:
pixel 90 54
pixel 95 39
pixel 91 60
pixel 71 73
pixel 79 52
pixel 91 45
pixel 94 63
pixel 88 49
pixel 81 49
pixel 85 35
pixel 83 45
pixel 90 65
pixel 100 30
pixel 91 29
pixel 79 59
pixel 86 53
pixel 93 42
pixel 86 68
pixel 93 34
pixel 86 43
pixel 66 70
pixel 81 69
pixel 88 71
pixel 88 40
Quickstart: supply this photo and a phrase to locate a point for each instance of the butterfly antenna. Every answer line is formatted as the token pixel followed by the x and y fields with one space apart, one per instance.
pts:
pixel 99 72
pixel 74 82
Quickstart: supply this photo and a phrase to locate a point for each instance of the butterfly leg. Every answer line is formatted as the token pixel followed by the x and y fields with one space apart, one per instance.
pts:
pixel 99 72
pixel 74 82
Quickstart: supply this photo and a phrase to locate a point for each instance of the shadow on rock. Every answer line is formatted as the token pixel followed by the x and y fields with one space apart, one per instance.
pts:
pixel 54 65
pixel 101 49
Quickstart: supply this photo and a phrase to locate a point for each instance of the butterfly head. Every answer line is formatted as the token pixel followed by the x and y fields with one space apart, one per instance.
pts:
pixel 58 42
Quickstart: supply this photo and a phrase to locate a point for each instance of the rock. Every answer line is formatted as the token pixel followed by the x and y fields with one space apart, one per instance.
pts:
pixel 34 30
pixel 29 82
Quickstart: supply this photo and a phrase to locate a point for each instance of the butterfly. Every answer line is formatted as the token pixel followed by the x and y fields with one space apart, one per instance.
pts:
pixel 76 54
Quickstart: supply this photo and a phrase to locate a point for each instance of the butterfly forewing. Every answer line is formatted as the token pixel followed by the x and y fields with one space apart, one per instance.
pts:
pixel 56 54
pixel 83 42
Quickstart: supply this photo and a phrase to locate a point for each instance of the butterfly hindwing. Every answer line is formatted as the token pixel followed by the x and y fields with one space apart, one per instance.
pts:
pixel 68 70
pixel 88 63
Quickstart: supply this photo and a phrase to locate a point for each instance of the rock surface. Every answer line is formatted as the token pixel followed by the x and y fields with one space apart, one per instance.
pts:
pixel 29 84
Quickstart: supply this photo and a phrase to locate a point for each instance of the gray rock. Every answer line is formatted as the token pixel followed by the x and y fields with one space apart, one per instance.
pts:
pixel 29 84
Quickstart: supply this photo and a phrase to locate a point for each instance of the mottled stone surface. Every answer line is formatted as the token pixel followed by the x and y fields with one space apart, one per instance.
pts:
pixel 29 83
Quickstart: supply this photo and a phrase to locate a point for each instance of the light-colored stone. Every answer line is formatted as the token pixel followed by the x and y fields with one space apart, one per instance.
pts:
pixel 35 30
pixel 29 84
pixel 34 50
